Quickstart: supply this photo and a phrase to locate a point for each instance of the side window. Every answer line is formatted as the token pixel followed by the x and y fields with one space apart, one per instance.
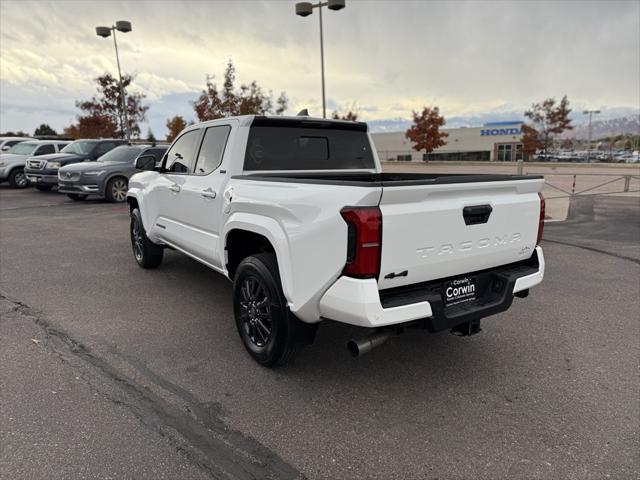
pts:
pixel 157 152
pixel 62 145
pixel 180 158
pixel 103 148
pixel 11 143
pixel 45 149
pixel 212 149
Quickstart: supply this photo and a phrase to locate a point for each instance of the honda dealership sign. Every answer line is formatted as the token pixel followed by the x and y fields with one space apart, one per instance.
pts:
pixel 500 131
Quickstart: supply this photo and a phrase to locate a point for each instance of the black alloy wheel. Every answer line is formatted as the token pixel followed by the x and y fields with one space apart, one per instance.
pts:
pixel 271 334
pixel 146 253
pixel 136 239
pixel 255 311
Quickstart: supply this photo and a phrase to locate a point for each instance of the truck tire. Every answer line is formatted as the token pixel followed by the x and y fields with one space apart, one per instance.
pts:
pixel 270 332
pixel 146 253
pixel 44 188
pixel 77 197
pixel 116 190
pixel 17 178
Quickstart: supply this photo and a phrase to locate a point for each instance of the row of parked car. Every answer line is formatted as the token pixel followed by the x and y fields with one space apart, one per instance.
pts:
pixel 617 156
pixel 80 168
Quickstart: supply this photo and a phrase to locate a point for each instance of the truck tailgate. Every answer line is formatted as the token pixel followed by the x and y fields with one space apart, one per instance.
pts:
pixel 426 235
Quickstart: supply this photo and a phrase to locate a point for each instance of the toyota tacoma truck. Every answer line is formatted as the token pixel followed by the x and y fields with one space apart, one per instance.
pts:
pixel 298 214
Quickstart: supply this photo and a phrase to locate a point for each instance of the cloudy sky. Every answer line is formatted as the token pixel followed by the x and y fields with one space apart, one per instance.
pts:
pixel 387 56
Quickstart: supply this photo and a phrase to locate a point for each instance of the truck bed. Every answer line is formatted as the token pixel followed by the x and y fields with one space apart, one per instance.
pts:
pixel 384 179
pixel 425 235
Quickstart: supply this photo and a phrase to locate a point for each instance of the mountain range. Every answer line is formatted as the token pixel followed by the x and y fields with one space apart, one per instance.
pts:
pixel 610 121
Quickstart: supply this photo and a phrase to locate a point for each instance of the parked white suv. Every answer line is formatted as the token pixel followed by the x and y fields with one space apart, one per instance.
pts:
pixel 298 214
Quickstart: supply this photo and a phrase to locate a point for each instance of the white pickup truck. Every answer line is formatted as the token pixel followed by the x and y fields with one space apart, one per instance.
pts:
pixel 297 212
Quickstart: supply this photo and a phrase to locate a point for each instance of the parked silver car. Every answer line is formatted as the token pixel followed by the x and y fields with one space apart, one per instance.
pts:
pixel 13 161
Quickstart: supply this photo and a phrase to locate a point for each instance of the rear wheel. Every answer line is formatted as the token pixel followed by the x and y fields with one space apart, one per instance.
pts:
pixel 116 190
pixel 17 178
pixel 270 332
pixel 146 253
pixel 77 197
pixel 44 188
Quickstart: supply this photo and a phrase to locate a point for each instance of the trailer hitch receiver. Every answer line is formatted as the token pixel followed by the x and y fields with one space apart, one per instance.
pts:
pixel 467 328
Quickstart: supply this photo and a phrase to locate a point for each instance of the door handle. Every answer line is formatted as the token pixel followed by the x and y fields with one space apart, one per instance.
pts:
pixel 209 193
pixel 175 188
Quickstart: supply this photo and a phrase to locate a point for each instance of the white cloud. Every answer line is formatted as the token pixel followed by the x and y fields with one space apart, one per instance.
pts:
pixel 466 57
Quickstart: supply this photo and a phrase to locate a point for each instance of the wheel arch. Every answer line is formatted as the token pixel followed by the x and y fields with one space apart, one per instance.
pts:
pixel 246 234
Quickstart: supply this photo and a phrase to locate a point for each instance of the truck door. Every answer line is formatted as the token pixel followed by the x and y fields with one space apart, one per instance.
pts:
pixel 201 196
pixel 165 208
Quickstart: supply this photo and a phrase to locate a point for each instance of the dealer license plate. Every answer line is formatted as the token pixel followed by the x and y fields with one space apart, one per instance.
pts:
pixel 459 291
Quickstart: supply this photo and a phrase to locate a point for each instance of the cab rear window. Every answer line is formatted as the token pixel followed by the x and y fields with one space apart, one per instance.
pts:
pixel 307 145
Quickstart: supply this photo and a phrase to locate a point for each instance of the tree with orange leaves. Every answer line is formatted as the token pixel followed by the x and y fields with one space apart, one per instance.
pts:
pixel 425 132
pixel 175 125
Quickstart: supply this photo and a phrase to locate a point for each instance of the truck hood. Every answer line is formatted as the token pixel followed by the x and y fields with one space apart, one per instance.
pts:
pixel 89 166
pixel 62 157
pixel 11 156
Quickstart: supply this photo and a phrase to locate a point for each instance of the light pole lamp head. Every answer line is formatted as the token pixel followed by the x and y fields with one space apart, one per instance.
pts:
pixel 103 32
pixel 123 26
pixel 335 4
pixel 304 9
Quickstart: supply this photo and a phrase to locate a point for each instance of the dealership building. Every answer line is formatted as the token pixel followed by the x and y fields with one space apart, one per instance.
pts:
pixel 499 142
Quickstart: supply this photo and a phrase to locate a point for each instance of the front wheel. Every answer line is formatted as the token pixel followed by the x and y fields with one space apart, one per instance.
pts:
pixel 116 190
pixel 146 253
pixel 270 332
pixel 44 188
pixel 77 197
pixel 17 179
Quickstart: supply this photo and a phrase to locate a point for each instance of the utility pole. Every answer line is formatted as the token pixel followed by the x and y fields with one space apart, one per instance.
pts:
pixel 590 113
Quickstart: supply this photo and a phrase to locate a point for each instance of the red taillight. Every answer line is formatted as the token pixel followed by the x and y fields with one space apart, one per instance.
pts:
pixel 541 220
pixel 364 241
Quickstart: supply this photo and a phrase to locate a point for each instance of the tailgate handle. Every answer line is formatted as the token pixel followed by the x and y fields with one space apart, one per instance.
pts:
pixel 476 214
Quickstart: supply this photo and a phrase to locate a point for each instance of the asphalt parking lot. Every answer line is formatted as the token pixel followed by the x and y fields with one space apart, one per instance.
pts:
pixel 150 379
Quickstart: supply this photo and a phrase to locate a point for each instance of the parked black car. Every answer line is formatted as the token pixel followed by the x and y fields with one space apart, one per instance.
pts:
pixel 43 171
pixel 108 177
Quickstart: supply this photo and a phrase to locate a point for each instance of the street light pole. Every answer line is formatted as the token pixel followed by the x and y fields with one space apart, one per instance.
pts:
pixel 122 94
pixel 124 27
pixel 590 113
pixel 305 9
pixel 324 104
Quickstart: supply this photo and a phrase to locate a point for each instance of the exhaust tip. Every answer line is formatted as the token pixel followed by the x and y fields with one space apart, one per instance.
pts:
pixel 353 348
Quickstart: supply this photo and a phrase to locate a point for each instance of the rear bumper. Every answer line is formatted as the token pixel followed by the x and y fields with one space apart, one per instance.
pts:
pixel 359 302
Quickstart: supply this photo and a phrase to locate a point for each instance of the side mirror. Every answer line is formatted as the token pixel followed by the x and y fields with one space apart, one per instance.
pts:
pixel 6 148
pixel 146 162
